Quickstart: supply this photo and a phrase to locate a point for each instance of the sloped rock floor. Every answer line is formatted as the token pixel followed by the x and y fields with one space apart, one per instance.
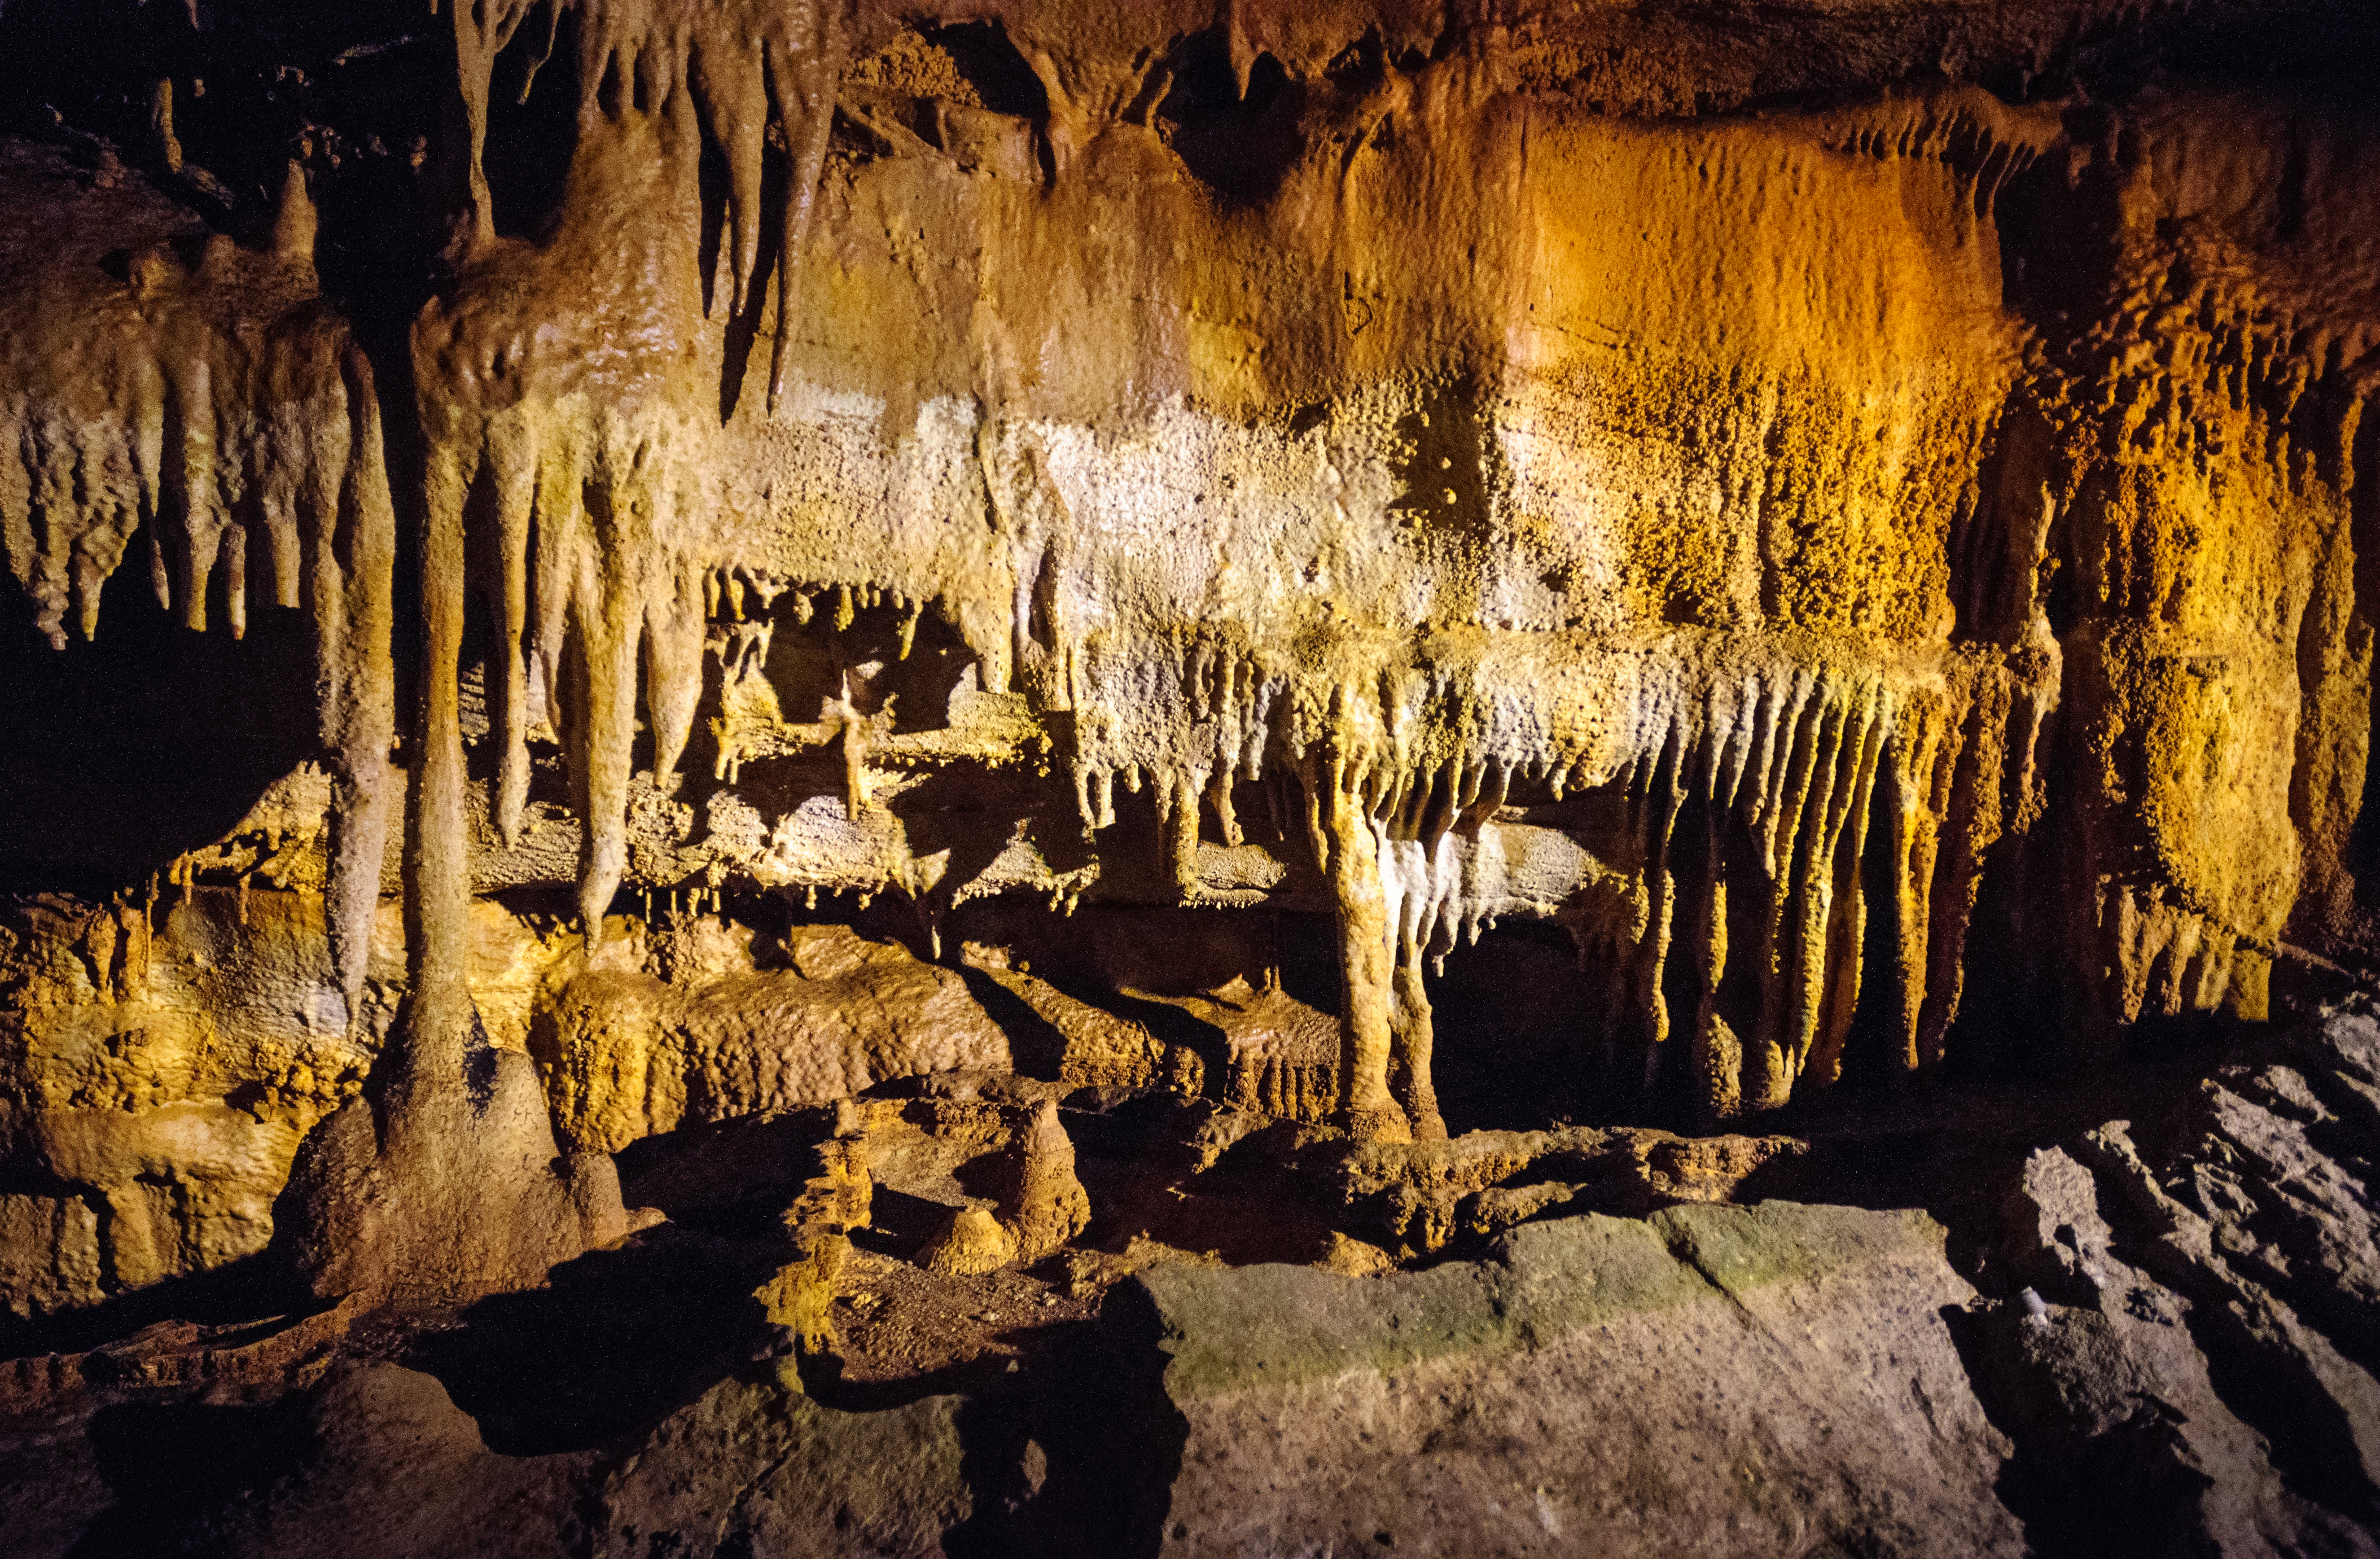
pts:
pixel 2133 1313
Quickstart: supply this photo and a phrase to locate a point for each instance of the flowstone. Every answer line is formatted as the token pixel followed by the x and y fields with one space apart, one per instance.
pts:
pixel 1053 776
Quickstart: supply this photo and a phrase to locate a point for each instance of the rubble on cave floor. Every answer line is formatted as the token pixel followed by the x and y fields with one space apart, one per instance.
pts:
pixel 2053 1281
pixel 1161 1177
pixel 790 777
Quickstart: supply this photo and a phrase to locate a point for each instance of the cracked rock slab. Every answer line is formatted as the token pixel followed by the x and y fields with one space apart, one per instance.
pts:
pixel 1711 1380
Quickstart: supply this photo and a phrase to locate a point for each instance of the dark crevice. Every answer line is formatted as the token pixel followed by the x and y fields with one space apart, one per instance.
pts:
pixel 990 63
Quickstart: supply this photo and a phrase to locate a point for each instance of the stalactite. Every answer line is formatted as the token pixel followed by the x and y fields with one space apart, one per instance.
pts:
pixel 198 429
pixel 1177 816
pixel 1772 789
pixel 804 56
pixel 1835 1004
pixel 1788 761
pixel 1785 759
pixel 161 403
pixel 353 611
pixel 1414 874
pixel 602 492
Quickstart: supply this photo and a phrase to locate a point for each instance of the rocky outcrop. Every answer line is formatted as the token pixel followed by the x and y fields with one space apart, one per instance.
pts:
pixel 1512 1406
pixel 1419 1197
pixel 2171 1353
pixel 164 1058
pixel 1796 552
pixel 2190 1367
pixel 964 604
pixel 627 1054
pixel 1518 1403
pixel 753 1468
pixel 162 1061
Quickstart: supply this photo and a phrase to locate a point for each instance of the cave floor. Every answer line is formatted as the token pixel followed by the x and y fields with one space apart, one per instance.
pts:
pixel 98 1452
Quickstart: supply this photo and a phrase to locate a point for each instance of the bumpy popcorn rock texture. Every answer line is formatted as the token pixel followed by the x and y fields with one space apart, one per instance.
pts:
pixel 1043 573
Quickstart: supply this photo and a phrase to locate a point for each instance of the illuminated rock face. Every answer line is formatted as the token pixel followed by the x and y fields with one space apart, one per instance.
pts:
pixel 1836 562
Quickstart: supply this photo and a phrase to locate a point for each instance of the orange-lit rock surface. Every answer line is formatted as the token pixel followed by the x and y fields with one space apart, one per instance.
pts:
pixel 1435 618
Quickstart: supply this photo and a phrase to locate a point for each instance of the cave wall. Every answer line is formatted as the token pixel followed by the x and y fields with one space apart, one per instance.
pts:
pixel 1853 517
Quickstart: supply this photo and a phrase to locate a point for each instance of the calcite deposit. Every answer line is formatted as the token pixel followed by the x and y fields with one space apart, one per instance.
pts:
pixel 1380 734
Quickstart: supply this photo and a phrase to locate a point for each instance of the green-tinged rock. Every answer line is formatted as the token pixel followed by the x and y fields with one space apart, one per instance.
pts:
pixel 1711 1381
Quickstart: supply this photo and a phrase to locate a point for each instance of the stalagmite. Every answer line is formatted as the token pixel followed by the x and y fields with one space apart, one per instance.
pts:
pixel 852 727
pixel 1853 643
pixel 1411 1042
pixel 1338 812
pixel 446 1184
pixel 599 509
pixel 1041 1202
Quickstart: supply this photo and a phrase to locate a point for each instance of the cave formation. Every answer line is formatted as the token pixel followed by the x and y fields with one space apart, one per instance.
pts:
pixel 789 776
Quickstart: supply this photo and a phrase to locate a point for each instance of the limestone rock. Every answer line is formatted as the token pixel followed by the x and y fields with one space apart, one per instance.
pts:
pixel 2175 1262
pixel 1354 1258
pixel 975 1240
pixel 1421 606
pixel 1425 1193
pixel 1043 1205
pixel 627 1054
pixel 49 1253
pixel 749 1467
pixel 1524 1405
pixel 158 1094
